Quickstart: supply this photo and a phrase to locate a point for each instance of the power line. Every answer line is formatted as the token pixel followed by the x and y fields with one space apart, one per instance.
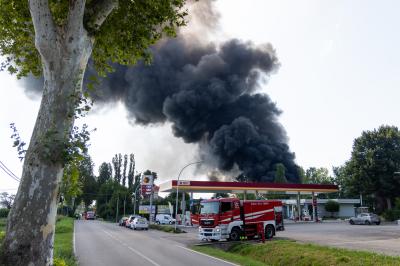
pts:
pixel 8 171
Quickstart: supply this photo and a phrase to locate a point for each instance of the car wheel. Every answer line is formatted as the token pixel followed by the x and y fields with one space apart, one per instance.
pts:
pixel 235 234
pixel 378 223
pixel 351 222
pixel 269 231
pixel 367 222
pixel 146 229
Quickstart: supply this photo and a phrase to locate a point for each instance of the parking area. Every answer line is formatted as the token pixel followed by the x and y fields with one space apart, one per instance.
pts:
pixel 384 238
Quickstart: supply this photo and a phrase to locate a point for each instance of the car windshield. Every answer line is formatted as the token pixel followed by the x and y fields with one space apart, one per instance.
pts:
pixel 209 207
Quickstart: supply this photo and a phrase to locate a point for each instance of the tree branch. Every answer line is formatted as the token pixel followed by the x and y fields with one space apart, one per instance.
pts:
pixel 43 23
pixel 75 16
pixel 97 13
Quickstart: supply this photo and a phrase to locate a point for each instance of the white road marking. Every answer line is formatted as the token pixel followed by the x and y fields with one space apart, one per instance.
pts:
pixel 188 249
pixel 132 249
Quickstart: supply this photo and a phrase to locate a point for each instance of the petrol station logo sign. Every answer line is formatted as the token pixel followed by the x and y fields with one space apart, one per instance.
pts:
pixel 147 184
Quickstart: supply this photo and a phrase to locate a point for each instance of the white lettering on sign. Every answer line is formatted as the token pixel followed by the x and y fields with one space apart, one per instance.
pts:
pixel 183 183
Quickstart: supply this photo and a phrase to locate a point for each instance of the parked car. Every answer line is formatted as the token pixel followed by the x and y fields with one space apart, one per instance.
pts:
pixel 365 218
pixel 139 223
pixel 130 220
pixel 164 219
pixel 122 221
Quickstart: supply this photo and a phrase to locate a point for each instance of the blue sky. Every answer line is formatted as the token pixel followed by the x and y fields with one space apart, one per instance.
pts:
pixel 340 75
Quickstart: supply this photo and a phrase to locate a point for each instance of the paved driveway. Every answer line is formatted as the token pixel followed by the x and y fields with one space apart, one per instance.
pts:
pixel 382 239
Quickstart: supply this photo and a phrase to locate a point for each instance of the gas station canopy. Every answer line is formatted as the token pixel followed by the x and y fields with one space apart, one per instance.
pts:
pixel 240 187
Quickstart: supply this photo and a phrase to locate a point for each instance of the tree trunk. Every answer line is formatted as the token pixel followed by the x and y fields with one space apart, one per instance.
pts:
pixel 31 222
pixel 389 203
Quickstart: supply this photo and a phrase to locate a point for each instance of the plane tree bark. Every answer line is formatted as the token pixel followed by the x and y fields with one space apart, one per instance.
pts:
pixel 64 53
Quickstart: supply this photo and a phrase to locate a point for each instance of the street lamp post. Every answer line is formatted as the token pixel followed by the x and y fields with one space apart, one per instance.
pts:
pixel 134 203
pixel 177 189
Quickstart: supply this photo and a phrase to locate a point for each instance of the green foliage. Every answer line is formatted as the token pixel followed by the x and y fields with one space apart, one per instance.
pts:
pixel 131 172
pixel 4 212
pixel 108 195
pixel 6 199
pixel 393 214
pixel 315 175
pixel 70 185
pixel 302 174
pixel 124 37
pixel 59 262
pixel 286 252
pixel 372 168
pixel 18 142
pixel 332 206
pixel 280 174
pixel 88 182
pixel 166 228
pixel 117 163
pixel 105 173
pixel 63 246
pixel 149 172
pixel 3 222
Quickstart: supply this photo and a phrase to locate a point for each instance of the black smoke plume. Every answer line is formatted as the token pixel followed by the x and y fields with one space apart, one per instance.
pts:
pixel 209 94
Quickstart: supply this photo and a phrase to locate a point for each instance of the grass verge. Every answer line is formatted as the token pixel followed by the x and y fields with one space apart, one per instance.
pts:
pixel 166 228
pixel 63 244
pixel 63 249
pixel 286 252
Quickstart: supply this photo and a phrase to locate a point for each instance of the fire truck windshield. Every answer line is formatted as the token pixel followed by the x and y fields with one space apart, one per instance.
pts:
pixel 209 207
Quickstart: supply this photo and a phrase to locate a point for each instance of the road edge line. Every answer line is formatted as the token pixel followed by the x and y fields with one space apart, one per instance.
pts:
pixel 194 251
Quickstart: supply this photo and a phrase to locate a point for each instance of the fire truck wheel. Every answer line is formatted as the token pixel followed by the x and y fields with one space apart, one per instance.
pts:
pixel 269 231
pixel 235 234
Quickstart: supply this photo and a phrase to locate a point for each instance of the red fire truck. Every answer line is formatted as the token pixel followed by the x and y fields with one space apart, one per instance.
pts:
pixel 231 219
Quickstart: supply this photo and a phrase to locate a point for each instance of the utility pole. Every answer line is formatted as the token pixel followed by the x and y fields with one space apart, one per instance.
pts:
pixel 124 204
pixel 151 205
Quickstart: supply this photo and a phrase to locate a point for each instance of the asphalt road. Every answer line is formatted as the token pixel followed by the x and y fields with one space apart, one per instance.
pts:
pixel 99 243
pixel 381 239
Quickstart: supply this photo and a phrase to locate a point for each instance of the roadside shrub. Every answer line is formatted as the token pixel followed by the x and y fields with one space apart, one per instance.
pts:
pixel 166 228
pixel 59 262
pixel 332 206
pixel 392 215
pixel 4 212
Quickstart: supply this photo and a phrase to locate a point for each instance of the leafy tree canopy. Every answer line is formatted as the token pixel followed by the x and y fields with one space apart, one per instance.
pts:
pixel 123 38
pixel 315 175
pixel 280 174
pixel 374 164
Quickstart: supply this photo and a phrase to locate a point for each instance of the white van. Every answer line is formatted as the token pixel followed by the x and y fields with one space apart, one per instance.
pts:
pixel 164 219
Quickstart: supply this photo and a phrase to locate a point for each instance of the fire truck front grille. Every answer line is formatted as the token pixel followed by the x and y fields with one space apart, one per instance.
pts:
pixel 206 222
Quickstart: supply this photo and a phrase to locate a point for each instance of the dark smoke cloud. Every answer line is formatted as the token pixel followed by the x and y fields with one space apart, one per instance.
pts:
pixel 209 94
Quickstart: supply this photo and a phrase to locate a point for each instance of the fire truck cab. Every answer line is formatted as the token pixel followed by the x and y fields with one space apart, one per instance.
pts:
pixel 232 219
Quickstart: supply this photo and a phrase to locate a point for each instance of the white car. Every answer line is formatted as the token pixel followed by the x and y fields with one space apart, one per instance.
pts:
pixel 139 223
pixel 164 219
pixel 130 220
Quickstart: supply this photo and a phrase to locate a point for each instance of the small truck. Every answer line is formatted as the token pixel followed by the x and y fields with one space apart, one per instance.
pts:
pixel 234 219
